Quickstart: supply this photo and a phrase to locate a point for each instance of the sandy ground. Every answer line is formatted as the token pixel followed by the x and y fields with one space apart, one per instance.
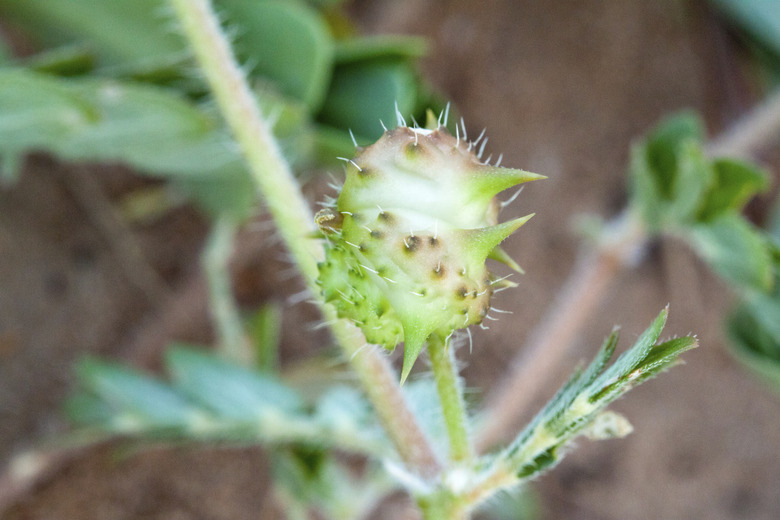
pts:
pixel 562 88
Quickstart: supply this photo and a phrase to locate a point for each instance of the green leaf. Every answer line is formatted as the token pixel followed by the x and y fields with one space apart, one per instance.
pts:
pixel 423 399
pixel 148 127
pixel 342 408
pixel 6 56
pixel 105 119
pixel 69 60
pixel 285 41
pixel 694 176
pixel 363 94
pixel 117 31
pixel 734 183
pixel 521 504
pixel 36 112
pixel 229 191
pixel 229 390
pixel 87 409
pixel 663 147
pixel 668 172
pixel 210 399
pixel 756 340
pixel 378 47
pixel 761 18
pixel 331 142
pixel 735 250
pixel 148 402
pixel 583 398
pixel 633 357
pixel 773 226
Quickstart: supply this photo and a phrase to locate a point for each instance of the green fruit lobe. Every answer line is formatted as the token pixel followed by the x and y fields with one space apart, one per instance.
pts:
pixel 409 235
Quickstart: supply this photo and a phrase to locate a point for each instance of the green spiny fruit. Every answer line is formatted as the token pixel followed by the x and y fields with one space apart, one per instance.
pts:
pixel 409 234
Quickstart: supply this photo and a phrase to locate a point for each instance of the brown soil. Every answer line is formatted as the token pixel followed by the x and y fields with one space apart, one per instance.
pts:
pixel 562 88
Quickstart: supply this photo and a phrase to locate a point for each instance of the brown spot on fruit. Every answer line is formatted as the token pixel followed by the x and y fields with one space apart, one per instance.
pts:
pixel 411 243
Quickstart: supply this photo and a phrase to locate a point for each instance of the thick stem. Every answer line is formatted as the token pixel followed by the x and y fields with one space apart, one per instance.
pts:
pixel 295 223
pixel 450 390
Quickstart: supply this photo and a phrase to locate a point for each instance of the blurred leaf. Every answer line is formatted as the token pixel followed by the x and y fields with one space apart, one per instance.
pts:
pixel 229 390
pixel 117 31
pixel 522 504
pixel 85 408
pixel 342 408
pixel 148 203
pixel 756 340
pixel 229 191
pixel 668 172
pixel 71 60
pixel 765 311
pixel 285 41
pixel 363 94
pixel 148 127
pixel 678 190
pixel 424 402
pixel 210 399
pixel 312 480
pixel 35 112
pixel 6 57
pixel 663 147
pixel 693 178
pixel 734 183
pixel 102 119
pixel 378 47
pixel 143 398
pixel 754 327
pixel 331 142
pixel 773 226
pixel 761 18
pixel 735 250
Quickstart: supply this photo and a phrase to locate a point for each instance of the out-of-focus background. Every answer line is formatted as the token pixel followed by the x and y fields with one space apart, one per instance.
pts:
pixel 563 88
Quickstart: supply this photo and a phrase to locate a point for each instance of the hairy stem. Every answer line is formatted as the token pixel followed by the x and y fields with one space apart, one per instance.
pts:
pixel 295 223
pixel 450 390
pixel 592 275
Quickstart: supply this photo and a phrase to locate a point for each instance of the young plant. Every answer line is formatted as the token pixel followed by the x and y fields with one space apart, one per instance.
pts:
pixel 404 260
pixel 398 258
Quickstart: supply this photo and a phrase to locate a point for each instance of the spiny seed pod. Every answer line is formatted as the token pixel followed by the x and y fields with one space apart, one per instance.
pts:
pixel 409 234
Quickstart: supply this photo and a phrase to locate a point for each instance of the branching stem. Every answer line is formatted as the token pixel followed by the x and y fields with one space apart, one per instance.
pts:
pixel 295 223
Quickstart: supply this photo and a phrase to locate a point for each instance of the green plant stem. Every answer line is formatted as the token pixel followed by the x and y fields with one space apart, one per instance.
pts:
pixel 295 223
pixel 450 390
pixel 232 341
